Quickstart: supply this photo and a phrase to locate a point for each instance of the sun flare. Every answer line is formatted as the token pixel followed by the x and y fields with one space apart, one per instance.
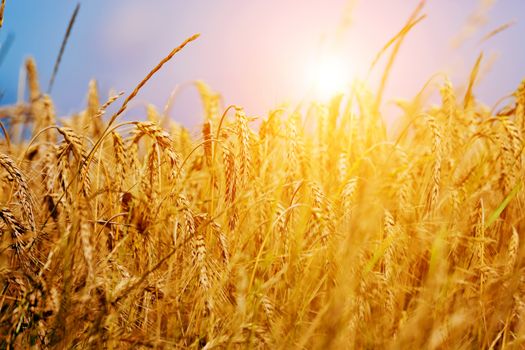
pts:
pixel 329 75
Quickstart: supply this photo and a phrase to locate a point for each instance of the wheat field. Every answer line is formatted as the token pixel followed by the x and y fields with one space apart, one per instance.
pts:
pixel 311 228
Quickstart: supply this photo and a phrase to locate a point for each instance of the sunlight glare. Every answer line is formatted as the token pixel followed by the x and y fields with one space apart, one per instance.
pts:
pixel 329 76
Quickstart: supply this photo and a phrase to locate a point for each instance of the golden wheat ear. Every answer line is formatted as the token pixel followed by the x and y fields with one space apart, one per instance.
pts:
pixel 2 8
pixel 22 193
pixel 32 80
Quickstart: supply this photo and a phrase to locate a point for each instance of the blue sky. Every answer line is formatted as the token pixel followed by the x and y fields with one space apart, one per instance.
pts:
pixel 254 52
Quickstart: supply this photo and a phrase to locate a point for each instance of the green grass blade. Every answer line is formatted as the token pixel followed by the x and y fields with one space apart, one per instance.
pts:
pixel 495 215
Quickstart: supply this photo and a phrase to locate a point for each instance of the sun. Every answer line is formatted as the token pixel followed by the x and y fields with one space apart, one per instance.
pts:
pixel 329 75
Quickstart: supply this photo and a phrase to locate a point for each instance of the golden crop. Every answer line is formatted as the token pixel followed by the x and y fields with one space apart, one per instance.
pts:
pixel 314 229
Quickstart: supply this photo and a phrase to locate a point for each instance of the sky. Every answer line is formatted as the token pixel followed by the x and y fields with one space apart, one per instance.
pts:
pixel 257 53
